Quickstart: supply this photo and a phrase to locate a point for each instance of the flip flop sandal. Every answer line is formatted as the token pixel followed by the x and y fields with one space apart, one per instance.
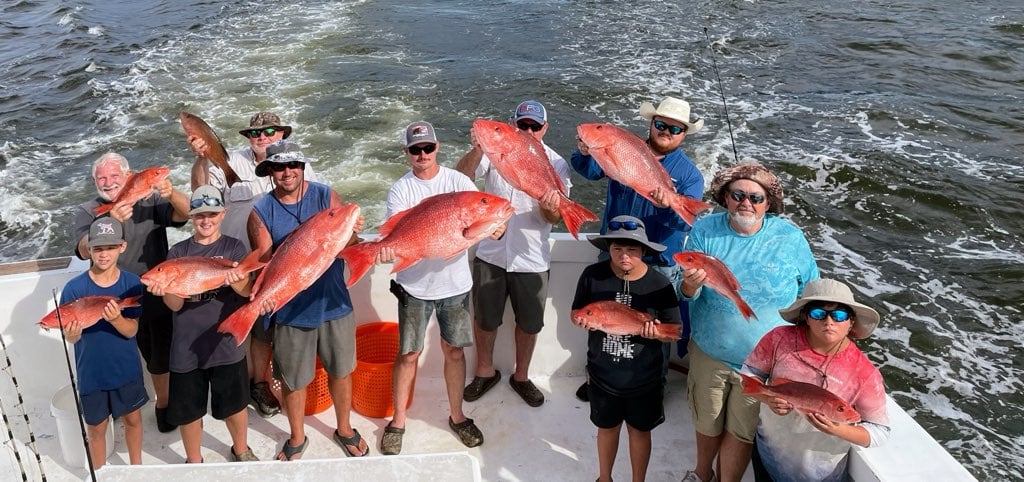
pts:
pixel 354 440
pixel 391 442
pixel 291 452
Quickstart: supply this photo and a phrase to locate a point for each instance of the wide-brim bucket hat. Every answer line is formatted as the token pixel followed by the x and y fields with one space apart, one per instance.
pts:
pixel 638 234
pixel 752 171
pixel 831 291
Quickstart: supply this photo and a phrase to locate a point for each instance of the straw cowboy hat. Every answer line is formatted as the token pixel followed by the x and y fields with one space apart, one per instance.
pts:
pixel 751 171
pixel 672 108
pixel 829 290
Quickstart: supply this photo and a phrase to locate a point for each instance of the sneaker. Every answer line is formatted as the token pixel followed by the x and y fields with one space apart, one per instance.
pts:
pixel 479 386
pixel 691 476
pixel 583 392
pixel 263 400
pixel 528 391
pixel 161 421
pixel 246 456
pixel 467 432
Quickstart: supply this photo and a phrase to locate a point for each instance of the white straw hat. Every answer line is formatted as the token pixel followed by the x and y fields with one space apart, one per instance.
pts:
pixel 672 108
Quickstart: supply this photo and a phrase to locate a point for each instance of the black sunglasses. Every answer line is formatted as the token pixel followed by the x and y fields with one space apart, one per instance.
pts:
pixel 526 126
pixel 256 133
pixel 281 166
pixel 427 149
pixel 674 130
pixel 627 225
pixel 739 196
pixel 206 200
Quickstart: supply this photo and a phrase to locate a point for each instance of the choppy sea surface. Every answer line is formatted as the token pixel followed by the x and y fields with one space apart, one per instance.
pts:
pixel 898 130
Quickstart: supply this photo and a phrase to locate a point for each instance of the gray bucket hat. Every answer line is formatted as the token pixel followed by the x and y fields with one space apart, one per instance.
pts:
pixel 629 229
pixel 831 291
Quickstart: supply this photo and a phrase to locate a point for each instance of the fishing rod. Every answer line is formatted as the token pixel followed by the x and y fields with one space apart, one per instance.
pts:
pixel 74 389
pixel 721 90
pixel 21 407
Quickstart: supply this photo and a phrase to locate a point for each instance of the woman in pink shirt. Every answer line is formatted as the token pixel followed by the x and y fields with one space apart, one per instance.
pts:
pixel 819 349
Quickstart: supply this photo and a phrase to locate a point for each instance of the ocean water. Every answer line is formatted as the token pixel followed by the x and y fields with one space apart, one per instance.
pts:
pixel 897 130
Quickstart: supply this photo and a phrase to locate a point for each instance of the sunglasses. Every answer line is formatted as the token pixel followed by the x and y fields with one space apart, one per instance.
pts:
pixel 256 133
pixel 281 166
pixel 525 126
pixel 674 130
pixel 206 201
pixel 627 225
pixel 838 315
pixel 740 196
pixel 427 149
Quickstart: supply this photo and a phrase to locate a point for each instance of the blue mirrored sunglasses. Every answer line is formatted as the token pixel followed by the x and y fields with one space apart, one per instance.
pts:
pixel 674 130
pixel 207 201
pixel 838 315
pixel 627 225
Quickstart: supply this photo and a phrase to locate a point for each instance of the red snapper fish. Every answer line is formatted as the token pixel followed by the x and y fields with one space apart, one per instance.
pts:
pixel 137 187
pixel 719 278
pixel 192 275
pixel 440 226
pixel 805 397
pixel 87 309
pixel 298 262
pixel 214 151
pixel 615 318
pixel 522 162
pixel 626 158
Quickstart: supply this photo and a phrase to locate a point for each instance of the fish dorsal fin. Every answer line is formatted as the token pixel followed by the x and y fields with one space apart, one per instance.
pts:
pixel 393 221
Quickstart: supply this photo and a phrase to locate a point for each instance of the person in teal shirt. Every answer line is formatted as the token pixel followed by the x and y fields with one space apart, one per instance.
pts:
pixel 772 261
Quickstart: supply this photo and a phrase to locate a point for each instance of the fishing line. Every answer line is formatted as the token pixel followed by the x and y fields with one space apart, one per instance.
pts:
pixel 74 389
pixel 721 90
pixel 21 407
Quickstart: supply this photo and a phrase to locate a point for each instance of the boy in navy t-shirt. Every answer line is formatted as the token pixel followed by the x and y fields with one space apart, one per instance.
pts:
pixel 106 355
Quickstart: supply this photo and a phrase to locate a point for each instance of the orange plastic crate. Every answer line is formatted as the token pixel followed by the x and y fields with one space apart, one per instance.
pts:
pixel 376 349
pixel 318 393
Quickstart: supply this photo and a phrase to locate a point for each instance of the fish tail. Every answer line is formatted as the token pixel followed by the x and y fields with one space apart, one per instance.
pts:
pixel 752 385
pixel 744 308
pixel 574 214
pixel 669 331
pixel 360 258
pixel 102 209
pixel 689 208
pixel 131 301
pixel 240 322
pixel 251 263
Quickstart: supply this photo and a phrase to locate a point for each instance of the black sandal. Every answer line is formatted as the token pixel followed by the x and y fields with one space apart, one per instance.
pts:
pixel 354 440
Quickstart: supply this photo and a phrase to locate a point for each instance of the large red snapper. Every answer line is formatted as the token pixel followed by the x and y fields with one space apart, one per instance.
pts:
pixel 440 226
pixel 805 397
pixel 192 275
pixel 626 158
pixel 137 187
pixel 298 262
pixel 616 318
pixel 214 151
pixel 87 309
pixel 522 162
pixel 719 278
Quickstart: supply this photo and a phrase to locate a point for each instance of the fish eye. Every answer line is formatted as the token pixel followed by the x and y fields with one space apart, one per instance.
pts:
pixel 842 409
pixel 483 200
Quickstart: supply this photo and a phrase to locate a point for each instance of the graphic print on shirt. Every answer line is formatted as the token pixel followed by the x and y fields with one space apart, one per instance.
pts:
pixel 619 346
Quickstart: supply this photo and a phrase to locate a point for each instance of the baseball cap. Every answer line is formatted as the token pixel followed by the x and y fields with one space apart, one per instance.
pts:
pixel 106 231
pixel 533 110
pixel 206 199
pixel 419 132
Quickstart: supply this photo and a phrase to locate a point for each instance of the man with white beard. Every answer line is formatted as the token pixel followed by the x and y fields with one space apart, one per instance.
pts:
pixel 772 261
pixel 145 230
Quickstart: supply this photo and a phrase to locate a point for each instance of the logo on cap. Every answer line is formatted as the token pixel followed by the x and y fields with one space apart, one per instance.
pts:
pixel 419 131
pixel 105 228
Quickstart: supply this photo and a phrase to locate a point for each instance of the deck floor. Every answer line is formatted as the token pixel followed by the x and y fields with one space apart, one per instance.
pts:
pixel 521 442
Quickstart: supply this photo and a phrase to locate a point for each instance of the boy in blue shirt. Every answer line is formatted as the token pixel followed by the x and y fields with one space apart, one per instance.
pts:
pixel 106 355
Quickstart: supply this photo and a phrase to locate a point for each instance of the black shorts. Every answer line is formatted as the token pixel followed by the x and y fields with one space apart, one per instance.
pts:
pixel 226 387
pixel 154 336
pixel 99 405
pixel 259 333
pixel 642 411
pixel 492 285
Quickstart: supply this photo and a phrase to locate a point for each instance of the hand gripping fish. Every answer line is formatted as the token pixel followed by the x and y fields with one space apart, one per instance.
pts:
pixel 719 278
pixel 192 275
pixel 88 310
pixel 615 318
pixel 137 187
pixel 805 397
pixel 298 262
pixel 626 158
pixel 214 151
pixel 440 226
pixel 522 162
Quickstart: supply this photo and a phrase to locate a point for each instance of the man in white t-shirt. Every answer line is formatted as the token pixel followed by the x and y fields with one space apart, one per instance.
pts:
pixel 516 266
pixel 431 284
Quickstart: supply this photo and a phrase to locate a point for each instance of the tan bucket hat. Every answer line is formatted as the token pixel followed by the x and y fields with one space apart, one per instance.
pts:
pixel 829 290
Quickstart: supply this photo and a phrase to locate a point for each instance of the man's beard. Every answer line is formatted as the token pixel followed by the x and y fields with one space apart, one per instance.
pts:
pixel 745 222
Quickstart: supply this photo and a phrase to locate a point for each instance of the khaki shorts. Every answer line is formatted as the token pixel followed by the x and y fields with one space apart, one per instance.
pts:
pixel 717 402
pixel 296 350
